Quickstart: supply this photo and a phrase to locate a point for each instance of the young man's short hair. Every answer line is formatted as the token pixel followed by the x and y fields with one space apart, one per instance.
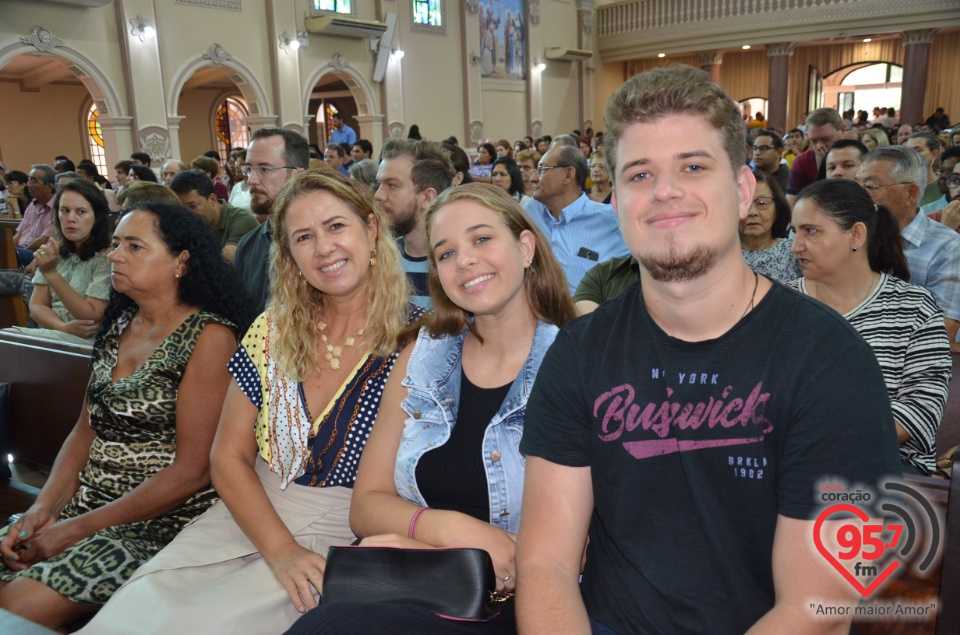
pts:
pixel 675 90
pixel 432 167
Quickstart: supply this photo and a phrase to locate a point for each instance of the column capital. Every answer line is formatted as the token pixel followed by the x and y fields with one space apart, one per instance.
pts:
pixel 923 36
pixel 116 123
pixel 778 49
pixel 372 119
pixel 710 58
pixel 261 121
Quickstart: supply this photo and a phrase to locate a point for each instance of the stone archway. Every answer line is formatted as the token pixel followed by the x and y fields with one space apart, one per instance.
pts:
pixel 368 117
pixel 216 57
pixel 115 121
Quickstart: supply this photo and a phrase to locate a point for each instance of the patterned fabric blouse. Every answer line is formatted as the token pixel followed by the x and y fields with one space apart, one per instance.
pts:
pixel 321 451
pixel 777 263
pixel 135 419
pixel 90 278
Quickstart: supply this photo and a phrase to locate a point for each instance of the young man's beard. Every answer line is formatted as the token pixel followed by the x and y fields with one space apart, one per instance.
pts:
pixel 679 267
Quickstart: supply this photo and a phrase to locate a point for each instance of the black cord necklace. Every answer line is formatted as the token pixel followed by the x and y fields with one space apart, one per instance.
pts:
pixel 756 284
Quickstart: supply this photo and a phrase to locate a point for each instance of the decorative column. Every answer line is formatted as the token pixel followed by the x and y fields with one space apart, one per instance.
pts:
pixel 710 62
pixel 371 129
pixel 173 128
pixel 261 121
pixel 117 135
pixel 585 76
pixel 779 89
pixel 916 55
pixel 472 75
pixel 140 55
pixel 284 65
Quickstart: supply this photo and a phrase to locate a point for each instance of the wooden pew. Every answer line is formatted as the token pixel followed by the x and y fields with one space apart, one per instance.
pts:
pixel 13 311
pixel 48 381
pixel 942 581
pixel 948 621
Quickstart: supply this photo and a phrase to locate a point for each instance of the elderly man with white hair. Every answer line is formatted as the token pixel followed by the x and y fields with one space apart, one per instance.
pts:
pixel 895 177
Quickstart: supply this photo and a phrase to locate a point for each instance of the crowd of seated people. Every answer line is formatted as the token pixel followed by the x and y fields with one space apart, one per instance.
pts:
pixel 363 267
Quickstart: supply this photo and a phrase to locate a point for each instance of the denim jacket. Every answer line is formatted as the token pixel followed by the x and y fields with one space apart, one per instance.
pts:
pixel 433 384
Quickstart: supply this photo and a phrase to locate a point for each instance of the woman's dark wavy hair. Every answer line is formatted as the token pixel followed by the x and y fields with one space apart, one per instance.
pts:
pixel 781 219
pixel 516 179
pixel 847 203
pixel 99 238
pixel 210 282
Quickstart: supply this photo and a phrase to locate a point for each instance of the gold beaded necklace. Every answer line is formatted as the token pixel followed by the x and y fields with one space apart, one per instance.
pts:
pixel 334 353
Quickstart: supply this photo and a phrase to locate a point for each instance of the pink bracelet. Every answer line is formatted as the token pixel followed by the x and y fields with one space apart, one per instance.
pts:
pixel 413 522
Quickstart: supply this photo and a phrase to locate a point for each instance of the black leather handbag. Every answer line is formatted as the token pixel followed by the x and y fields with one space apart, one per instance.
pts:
pixel 457 584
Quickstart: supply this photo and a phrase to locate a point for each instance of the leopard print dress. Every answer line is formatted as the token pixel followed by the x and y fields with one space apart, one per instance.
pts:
pixel 135 422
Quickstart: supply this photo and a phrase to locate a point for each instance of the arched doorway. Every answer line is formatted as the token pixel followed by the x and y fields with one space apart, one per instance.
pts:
pixel 213 115
pixel 338 86
pixel 864 86
pixel 330 95
pixel 47 110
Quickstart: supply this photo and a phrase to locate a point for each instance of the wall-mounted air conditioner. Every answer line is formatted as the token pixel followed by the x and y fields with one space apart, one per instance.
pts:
pixel 330 24
pixel 570 55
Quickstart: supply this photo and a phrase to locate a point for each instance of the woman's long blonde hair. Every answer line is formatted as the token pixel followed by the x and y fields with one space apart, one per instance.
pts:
pixel 296 306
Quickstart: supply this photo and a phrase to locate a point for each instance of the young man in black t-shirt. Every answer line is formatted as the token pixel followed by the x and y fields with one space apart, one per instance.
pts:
pixel 686 425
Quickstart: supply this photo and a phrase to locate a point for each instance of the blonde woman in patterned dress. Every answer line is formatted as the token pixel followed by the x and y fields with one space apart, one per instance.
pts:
pixel 135 469
pixel 307 381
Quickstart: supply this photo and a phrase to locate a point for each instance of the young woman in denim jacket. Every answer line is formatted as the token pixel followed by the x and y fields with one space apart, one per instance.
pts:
pixel 499 297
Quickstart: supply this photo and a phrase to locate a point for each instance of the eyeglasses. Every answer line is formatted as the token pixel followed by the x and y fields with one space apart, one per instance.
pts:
pixel 872 188
pixel 544 168
pixel 263 171
pixel 763 148
pixel 954 181
pixel 763 202
pixel 527 168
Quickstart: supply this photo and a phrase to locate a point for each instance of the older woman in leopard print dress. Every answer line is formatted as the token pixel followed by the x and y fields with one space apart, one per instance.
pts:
pixel 135 469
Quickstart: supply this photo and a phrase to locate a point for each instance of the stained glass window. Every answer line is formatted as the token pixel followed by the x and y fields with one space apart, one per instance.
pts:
pixel 231 126
pixel 95 139
pixel 337 6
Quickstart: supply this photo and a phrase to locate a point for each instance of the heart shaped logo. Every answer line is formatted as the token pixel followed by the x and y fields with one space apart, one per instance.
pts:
pixel 859 513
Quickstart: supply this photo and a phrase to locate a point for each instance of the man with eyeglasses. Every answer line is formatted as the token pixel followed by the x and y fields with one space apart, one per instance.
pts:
pixel 948 160
pixel 275 156
pixel 37 224
pixel 767 152
pixel 950 215
pixel 582 232
pixel 895 176
pixel 824 128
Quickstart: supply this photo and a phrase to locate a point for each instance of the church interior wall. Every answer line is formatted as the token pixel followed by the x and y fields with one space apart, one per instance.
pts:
pixel 59 104
pixel 432 76
pixel 560 90
pixel 432 88
pixel 196 129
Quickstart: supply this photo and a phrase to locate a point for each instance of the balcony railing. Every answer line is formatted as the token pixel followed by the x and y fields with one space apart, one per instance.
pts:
pixel 651 14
